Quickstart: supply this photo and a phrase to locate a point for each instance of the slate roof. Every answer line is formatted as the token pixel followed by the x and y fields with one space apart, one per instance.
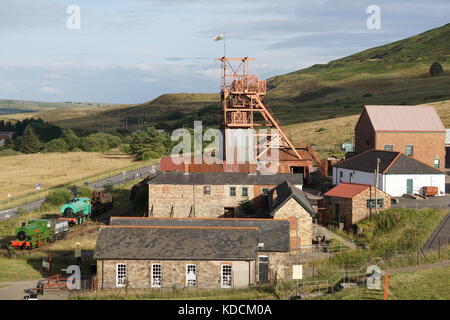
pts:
pixel 405 118
pixel 286 191
pixel 391 163
pixel 273 233
pixel 347 190
pixel 222 178
pixel 170 243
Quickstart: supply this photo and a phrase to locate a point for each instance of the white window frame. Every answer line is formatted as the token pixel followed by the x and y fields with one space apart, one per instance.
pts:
pixel 188 268
pixel 121 275
pixel 246 190
pixel 226 271
pixel 153 274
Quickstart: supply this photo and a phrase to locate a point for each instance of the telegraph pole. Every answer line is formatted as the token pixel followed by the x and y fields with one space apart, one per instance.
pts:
pixel 377 171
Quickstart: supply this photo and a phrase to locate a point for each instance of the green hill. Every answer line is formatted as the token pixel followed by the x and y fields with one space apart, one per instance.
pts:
pixel 395 73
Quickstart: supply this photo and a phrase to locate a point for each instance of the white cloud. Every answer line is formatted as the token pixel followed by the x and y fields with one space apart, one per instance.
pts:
pixel 49 90
pixel 147 79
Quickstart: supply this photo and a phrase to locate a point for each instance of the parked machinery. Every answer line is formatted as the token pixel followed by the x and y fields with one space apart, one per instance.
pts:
pixel 77 210
pixel 100 202
pixel 34 233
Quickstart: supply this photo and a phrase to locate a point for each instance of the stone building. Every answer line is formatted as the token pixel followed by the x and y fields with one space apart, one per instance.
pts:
pixel 416 131
pixel 348 203
pixel 213 194
pixel 191 252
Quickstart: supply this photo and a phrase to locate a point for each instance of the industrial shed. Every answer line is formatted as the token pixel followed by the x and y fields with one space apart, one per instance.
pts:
pixel 221 253
pixel 416 131
pixel 398 173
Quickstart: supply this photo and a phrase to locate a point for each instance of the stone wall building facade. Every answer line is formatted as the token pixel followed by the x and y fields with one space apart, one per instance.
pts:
pixel 348 203
pixel 213 194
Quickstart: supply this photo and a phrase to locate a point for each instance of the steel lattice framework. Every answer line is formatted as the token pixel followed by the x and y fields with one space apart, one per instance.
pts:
pixel 243 107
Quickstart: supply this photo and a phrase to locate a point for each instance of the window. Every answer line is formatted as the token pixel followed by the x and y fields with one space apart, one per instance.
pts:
pixel 244 191
pixel 409 150
pixel 388 147
pixel 265 191
pixel 437 163
pixel 232 191
pixel 341 175
pixel 371 203
pixel 191 275
pixel 351 177
pixel 206 189
pixel 156 276
pixel 227 279
pixel 121 274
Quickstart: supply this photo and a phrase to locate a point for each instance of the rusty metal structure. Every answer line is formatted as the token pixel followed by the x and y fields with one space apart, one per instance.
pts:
pixel 243 108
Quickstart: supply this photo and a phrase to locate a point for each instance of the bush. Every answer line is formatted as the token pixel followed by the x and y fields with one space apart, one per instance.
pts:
pixel 99 142
pixel 84 191
pixel 436 69
pixel 59 196
pixel 57 145
pixel 9 152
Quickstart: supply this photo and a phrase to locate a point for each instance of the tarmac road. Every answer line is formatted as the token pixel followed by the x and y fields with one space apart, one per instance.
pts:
pixel 114 180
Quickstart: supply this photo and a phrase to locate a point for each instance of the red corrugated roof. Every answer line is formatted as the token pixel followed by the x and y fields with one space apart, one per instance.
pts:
pixel 347 190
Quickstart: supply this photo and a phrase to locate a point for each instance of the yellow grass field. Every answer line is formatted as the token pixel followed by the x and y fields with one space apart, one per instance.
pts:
pixel 19 174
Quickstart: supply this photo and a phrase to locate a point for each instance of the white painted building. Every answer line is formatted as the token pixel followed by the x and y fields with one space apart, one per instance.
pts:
pixel 398 173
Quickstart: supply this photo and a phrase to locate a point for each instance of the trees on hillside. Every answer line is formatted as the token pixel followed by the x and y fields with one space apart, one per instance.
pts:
pixel 436 69
pixel 150 144
pixel 30 142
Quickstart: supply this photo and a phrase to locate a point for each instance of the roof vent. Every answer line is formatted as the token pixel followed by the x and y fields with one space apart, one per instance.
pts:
pixel 260 244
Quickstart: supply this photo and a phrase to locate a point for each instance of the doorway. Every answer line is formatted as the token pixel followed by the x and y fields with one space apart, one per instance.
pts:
pixel 263 269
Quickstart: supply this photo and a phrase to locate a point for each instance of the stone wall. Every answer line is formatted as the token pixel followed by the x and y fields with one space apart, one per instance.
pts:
pixel 290 211
pixel 202 201
pixel 174 273
pixel 353 210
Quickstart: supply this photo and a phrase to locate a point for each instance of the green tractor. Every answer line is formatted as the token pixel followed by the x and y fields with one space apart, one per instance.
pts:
pixel 34 233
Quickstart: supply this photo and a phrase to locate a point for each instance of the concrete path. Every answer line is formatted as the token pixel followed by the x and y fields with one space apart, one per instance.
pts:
pixel 17 291
pixel 331 235
pixel 115 180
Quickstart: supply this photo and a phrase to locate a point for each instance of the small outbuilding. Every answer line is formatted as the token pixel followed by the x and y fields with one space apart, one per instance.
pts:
pixel 348 203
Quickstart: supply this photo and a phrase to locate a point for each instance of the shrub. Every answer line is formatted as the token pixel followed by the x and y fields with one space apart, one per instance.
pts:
pixel 57 145
pixel 59 196
pixel 84 191
pixel 436 69
pixel 9 152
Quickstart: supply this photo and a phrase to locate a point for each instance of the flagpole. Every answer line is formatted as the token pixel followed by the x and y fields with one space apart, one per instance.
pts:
pixel 224 48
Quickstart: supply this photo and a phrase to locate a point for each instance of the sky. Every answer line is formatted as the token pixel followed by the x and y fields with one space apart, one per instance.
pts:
pixel 131 51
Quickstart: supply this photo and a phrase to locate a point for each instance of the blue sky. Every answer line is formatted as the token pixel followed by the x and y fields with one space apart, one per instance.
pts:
pixel 130 51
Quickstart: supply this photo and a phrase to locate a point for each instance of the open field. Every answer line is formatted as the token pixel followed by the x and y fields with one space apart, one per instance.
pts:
pixel 8 106
pixel 19 174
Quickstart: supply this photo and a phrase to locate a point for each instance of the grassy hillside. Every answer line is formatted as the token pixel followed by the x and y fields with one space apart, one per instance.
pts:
pixel 396 73
pixel 418 285
pixel 8 106
pixel 330 132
